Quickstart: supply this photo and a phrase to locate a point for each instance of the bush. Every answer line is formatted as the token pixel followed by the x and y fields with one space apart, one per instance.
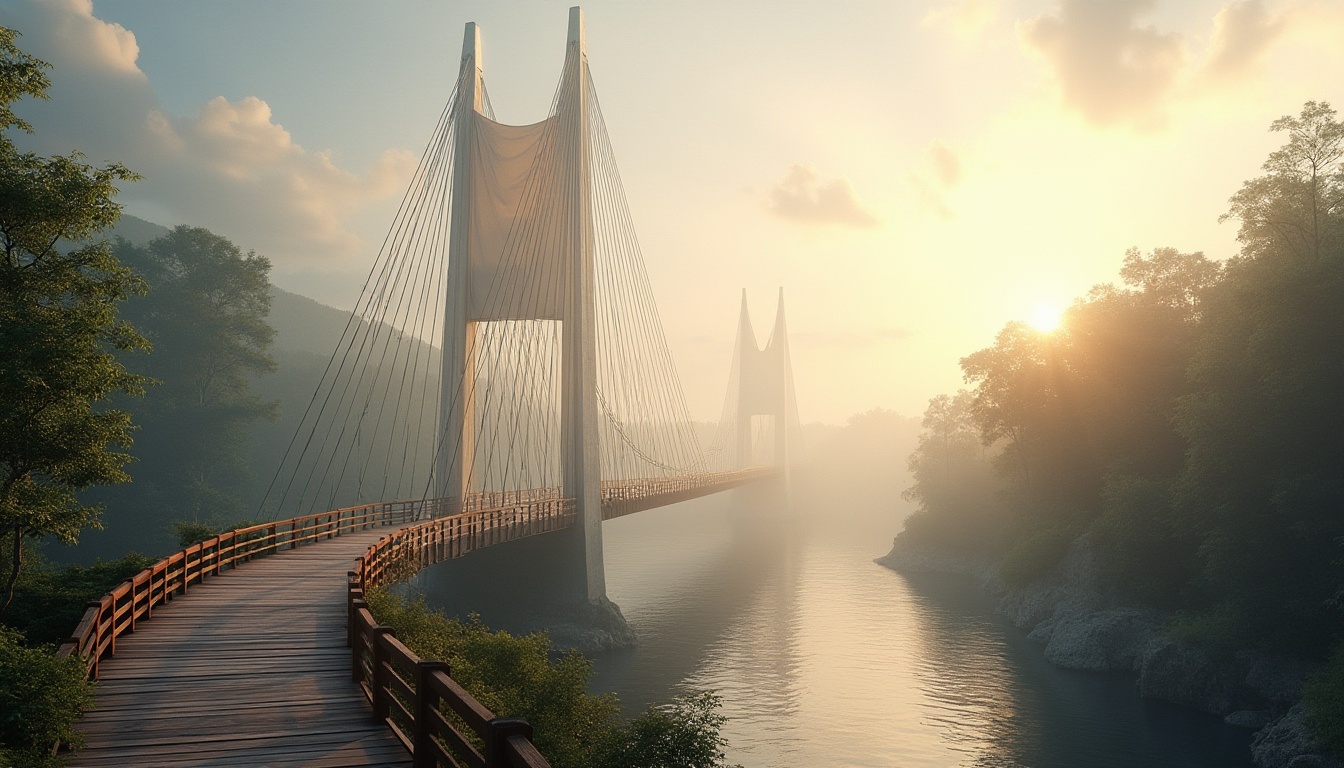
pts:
pixel 1033 554
pixel 49 601
pixel 521 677
pixel 41 697
pixel 683 734
pixel 1324 697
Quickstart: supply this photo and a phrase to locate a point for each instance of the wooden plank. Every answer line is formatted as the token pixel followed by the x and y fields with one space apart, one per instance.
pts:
pixel 246 668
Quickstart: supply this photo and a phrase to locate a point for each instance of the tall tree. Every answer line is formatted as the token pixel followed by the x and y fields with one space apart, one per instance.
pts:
pixel 1265 421
pixel 58 329
pixel 206 316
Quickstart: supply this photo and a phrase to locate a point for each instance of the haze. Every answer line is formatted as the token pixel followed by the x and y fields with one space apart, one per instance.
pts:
pixel 914 175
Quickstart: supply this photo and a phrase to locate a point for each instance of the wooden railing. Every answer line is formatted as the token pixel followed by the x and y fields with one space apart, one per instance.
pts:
pixel 135 599
pixel 410 694
pixel 426 709
pixel 624 497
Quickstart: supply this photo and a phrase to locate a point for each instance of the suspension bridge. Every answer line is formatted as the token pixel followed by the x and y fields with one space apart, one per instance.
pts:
pixel 504 374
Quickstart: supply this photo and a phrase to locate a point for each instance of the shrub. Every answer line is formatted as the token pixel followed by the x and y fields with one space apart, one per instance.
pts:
pixel 41 697
pixel 522 677
pixel 49 600
pixel 1033 554
pixel 1324 697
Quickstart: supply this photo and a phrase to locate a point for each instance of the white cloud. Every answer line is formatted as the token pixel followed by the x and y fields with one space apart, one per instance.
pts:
pixel 232 167
pixel 804 198
pixel 1242 33
pixel 1109 67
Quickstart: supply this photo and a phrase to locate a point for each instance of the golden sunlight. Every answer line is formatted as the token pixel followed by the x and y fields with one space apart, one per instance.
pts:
pixel 1045 318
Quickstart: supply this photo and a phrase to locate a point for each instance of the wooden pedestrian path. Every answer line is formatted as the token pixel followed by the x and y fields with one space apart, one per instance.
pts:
pixel 248 668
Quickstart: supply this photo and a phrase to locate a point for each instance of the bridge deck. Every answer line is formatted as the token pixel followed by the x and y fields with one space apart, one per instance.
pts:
pixel 248 668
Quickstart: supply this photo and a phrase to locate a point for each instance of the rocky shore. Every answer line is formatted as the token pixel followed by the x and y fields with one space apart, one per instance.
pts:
pixel 1080 627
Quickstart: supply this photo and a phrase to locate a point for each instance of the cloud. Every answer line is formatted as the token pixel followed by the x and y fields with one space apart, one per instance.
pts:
pixel 232 167
pixel 946 163
pixel 1242 33
pixel 1109 68
pixel 802 197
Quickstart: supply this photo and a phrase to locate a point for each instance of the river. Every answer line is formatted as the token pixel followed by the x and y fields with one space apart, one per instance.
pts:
pixel 823 658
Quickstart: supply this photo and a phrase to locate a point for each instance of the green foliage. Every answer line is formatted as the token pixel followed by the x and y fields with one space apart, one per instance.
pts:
pixel 1190 418
pixel 58 330
pixel 1324 697
pixel 521 677
pixel 50 600
pixel 206 316
pixel 683 734
pixel 955 487
pixel 1150 557
pixel 1262 483
pixel 1035 553
pixel 512 676
pixel 41 697
pixel 189 532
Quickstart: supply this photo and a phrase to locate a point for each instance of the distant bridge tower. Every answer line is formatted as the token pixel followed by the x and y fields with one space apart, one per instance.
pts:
pixel 496 276
pixel 764 384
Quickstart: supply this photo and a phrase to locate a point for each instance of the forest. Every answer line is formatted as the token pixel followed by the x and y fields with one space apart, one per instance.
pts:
pixel 1188 421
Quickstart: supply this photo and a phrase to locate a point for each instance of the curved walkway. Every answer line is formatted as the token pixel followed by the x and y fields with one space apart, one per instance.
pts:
pixel 248 668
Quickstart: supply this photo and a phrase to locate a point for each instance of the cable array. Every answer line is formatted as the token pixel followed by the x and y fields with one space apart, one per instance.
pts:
pixel 373 429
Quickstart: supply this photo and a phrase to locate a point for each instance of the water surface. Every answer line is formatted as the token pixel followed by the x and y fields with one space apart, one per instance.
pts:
pixel 824 658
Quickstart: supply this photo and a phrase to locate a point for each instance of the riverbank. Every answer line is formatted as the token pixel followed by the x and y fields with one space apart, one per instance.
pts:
pixel 1079 627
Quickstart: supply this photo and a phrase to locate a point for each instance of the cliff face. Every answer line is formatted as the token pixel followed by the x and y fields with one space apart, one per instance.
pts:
pixel 1080 627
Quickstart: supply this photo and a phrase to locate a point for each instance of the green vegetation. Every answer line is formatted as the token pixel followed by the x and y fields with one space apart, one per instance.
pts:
pixel 1188 420
pixel 519 677
pixel 59 331
pixel 41 697
pixel 205 314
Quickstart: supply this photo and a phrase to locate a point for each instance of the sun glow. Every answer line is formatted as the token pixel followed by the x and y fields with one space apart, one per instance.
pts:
pixel 1045 318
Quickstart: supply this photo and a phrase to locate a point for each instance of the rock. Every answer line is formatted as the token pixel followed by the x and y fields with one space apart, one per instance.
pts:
pixel 1102 641
pixel 1280 680
pixel 912 559
pixel 1288 743
pixel 1250 719
pixel 593 626
pixel 1185 676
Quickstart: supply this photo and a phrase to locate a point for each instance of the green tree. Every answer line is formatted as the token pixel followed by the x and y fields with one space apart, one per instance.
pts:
pixel 58 330
pixel 1296 210
pixel 954 483
pixel 206 317
pixel 1264 421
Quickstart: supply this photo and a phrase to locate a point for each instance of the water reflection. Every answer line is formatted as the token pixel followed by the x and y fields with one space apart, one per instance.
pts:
pixel 826 659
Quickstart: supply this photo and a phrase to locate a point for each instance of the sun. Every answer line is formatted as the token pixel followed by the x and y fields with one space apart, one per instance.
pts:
pixel 1045 318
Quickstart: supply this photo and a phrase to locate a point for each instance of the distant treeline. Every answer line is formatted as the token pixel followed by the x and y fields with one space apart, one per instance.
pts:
pixel 1190 421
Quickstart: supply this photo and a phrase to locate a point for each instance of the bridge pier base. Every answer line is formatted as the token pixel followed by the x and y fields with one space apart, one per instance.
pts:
pixel 516 587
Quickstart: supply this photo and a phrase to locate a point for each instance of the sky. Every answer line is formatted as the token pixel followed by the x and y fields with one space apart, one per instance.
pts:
pixel 912 174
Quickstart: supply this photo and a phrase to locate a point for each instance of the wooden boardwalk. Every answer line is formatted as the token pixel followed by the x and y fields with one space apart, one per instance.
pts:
pixel 249 668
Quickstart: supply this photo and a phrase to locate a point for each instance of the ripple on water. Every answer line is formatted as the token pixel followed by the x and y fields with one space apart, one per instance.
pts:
pixel 825 659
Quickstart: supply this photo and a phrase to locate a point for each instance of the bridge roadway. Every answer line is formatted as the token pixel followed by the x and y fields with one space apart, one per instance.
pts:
pixel 249 668
pixel 234 652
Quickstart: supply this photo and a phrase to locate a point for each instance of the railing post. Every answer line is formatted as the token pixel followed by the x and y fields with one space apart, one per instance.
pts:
pixel 354 593
pixel 356 640
pixel 426 702
pixel 381 709
pixel 501 728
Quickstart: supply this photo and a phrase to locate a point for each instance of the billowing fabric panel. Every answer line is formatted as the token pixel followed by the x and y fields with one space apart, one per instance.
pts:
pixel 517 243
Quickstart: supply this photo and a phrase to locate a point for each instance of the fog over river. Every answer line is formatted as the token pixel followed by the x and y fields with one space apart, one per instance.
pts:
pixel 824 658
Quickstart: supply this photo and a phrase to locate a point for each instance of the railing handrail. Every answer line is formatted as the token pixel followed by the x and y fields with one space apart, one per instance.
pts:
pixel 121 608
pixel 406 691
pixel 488 518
